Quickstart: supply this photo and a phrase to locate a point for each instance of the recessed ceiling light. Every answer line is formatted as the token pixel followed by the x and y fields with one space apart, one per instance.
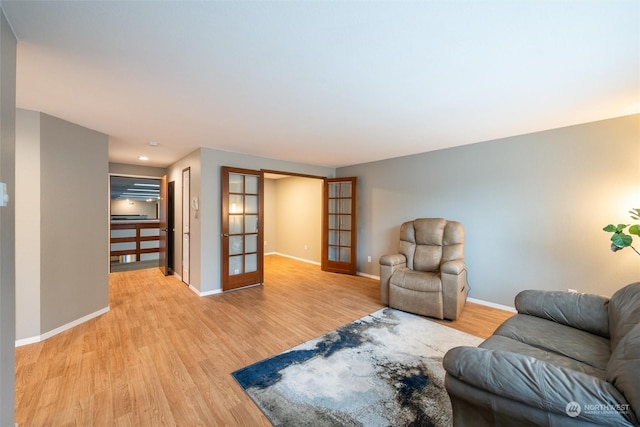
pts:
pixel 154 143
pixel 143 158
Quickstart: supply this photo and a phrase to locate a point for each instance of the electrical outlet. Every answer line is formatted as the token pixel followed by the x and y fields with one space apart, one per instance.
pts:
pixel 369 258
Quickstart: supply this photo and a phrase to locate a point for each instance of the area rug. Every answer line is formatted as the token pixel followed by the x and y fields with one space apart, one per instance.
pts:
pixel 382 370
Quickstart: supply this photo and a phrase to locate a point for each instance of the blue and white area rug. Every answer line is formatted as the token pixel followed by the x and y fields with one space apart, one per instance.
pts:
pixel 382 370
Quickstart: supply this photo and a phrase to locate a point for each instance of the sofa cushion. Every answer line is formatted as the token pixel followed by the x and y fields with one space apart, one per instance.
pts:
pixel 623 370
pixel 416 280
pixel 583 311
pixel 624 312
pixel 499 342
pixel 557 338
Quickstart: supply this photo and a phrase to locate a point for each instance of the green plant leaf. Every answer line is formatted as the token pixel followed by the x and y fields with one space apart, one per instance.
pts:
pixel 634 229
pixel 610 228
pixel 635 213
pixel 621 240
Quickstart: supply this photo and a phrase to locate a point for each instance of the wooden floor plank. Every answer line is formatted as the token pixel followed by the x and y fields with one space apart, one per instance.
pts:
pixel 163 356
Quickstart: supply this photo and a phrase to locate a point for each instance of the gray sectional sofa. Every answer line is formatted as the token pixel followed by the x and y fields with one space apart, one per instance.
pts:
pixel 565 359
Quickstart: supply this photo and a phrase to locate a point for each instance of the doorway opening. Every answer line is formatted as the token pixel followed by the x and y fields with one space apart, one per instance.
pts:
pixel 245 221
pixel 293 216
pixel 134 222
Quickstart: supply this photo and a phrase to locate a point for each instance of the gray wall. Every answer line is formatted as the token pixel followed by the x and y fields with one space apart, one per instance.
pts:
pixel 74 240
pixel 174 173
pixel 62 245
pixel 7 222
pixel 533 206
pixel 205 183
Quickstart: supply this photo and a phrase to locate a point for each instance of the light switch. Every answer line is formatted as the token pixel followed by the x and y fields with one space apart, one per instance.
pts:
pixel 4 197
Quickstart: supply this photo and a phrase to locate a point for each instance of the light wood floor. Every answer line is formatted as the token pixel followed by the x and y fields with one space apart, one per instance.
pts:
pixel 163 356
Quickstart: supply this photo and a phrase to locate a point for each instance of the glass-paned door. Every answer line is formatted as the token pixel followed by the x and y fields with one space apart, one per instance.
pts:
pixel 242 228
pixel 339 229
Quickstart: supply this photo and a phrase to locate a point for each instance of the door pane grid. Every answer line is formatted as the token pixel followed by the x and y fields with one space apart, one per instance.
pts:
pixel 339 234
pixel 243 224
pixel 339 225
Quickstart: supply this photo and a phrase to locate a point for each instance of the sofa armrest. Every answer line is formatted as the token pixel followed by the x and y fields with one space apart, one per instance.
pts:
pixel 453 267
pixel 389 264
pixel 582 311
pixel 539 385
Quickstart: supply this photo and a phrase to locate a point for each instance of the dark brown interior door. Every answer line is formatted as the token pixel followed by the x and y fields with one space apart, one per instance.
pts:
pixel 242 228
pixel 339 229
pixel 163 261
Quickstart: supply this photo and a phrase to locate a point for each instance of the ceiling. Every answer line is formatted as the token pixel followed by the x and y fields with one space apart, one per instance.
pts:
pixel 328 83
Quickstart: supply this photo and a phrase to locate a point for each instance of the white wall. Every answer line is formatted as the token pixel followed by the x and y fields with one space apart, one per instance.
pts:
pixel 28 227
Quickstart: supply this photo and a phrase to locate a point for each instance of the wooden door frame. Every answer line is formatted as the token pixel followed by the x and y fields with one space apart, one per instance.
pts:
pixel 324 264
pixel 228 282
pixel 338 266
pixel 182 233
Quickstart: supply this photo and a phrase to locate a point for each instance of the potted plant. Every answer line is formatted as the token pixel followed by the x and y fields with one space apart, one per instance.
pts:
pixel 620 239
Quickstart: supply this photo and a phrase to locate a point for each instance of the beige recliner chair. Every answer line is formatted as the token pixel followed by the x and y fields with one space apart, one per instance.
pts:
pixel 428 276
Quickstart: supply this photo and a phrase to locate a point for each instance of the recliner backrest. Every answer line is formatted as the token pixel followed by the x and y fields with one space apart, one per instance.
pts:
pixel 428 242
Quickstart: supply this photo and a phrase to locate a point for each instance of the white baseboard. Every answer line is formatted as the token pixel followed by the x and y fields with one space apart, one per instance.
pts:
pixel 293 257
pixel 62 328
pixel 492 304
pixel 368 276
pixel 205 293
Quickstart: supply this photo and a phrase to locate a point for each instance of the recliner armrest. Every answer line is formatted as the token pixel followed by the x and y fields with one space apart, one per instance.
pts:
pixel 388 265
pixel 453 267
pixel 393 260
pixel 582 311
pixel 538 384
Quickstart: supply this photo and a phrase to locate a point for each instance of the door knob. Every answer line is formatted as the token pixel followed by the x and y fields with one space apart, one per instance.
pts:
pixel 224 235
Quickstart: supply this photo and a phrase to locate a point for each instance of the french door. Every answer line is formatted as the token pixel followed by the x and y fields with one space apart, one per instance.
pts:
pixel 339 234
pixel 242 228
